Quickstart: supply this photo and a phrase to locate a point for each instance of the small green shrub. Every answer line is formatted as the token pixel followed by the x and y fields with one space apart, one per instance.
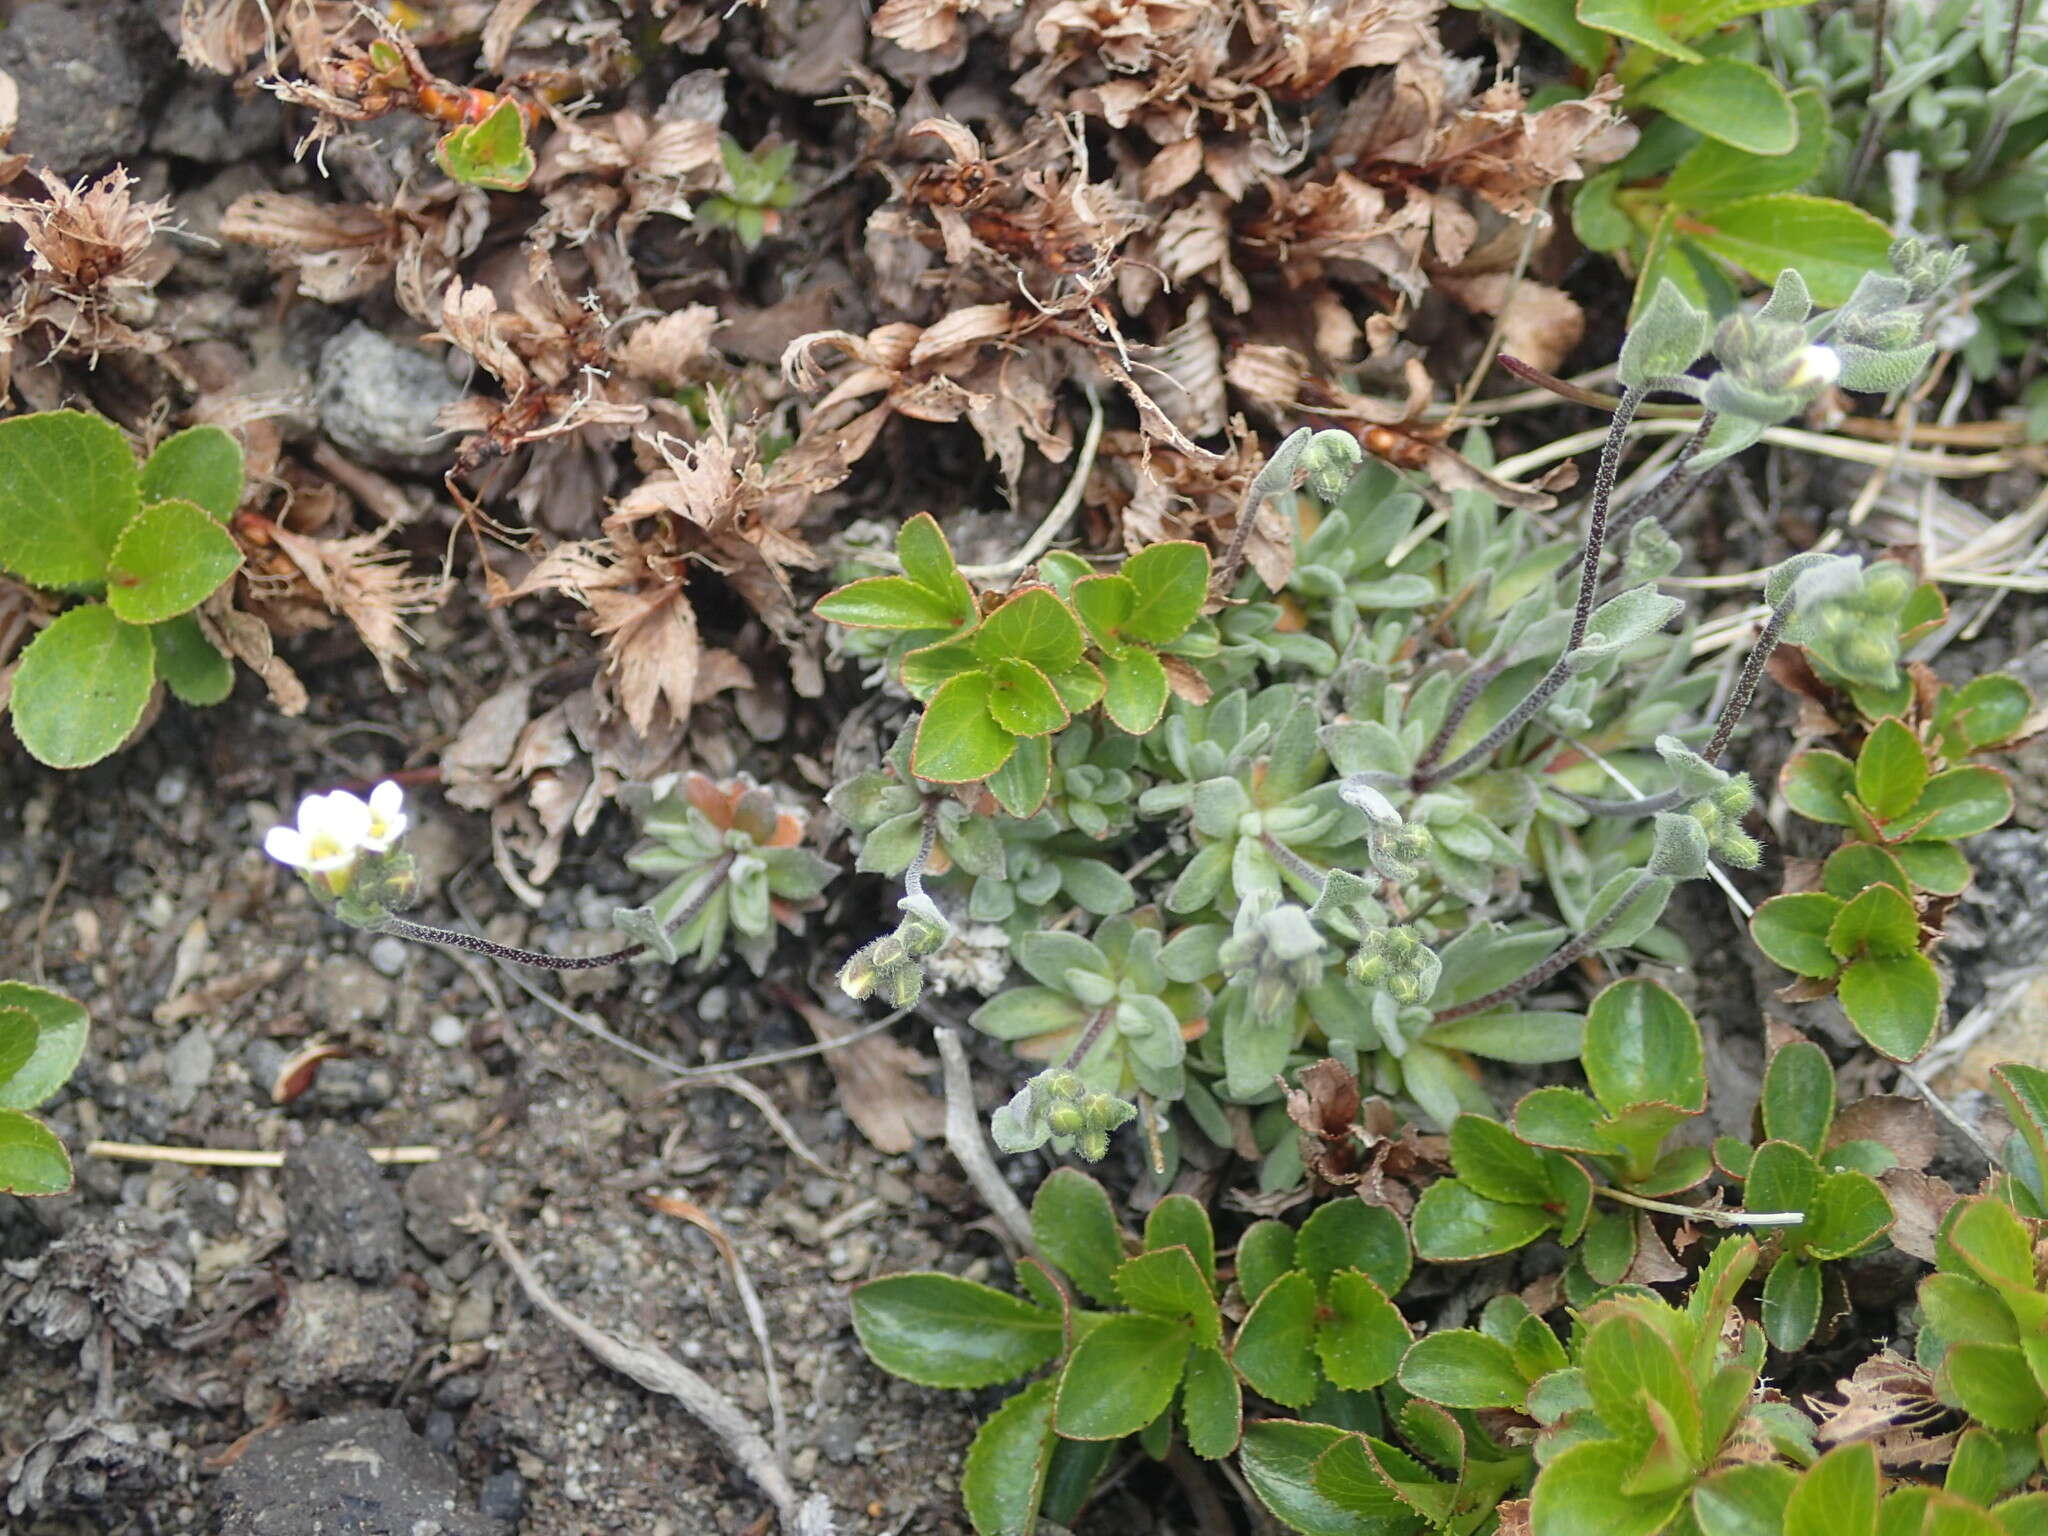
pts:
pixel 1913 790
pixel 142 545
pixel 1716 183
pixel 759 188
pixel 1374 845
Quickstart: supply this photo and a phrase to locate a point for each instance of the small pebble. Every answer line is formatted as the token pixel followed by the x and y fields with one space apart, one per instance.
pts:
pixel 172 786
pixel 503 1495
pixel 388 955
pixel 447 1031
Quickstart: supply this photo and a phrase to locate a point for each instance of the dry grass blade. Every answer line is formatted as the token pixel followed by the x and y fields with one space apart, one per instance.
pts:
pixel 750 1301
pixel 966 1142
pixel 661 1372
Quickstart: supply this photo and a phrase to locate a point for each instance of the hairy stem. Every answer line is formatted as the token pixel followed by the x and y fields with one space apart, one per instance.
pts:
pixel 1291 861
pixel 1277 475
pixel 1874 120
pixel 1582 611
pixel 1461 705
pixel 1537 974
pixel 455 938
pixel 1089 1035
pixel 913 876
pixel 1666 493
pixel 1732 710
pixel 1737 703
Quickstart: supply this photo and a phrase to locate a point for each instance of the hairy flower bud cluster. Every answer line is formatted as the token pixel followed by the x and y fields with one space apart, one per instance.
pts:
pixel 1396 962
pixel 892 967
pixel 1848 617
pixel 1720 814
pixel 1057 1106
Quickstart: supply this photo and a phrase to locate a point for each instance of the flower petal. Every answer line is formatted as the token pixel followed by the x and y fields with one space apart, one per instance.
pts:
pixel 387 800
pixel 287 845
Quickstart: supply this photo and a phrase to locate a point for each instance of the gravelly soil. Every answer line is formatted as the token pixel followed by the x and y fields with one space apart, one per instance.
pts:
pixel 141 882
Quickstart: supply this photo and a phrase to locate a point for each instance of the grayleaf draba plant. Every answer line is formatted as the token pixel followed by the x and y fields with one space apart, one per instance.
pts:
pixel 737 868
pixel 1334 849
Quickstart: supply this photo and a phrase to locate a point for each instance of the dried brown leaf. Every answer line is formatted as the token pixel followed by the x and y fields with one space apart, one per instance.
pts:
pixel 1891 1402
pixel 1905 1126
pixel 1919 1202
pixel 357 578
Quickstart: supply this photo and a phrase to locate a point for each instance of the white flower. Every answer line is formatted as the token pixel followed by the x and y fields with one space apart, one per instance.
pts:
pixel 332 833
pixel 388 820
pixel 1816 368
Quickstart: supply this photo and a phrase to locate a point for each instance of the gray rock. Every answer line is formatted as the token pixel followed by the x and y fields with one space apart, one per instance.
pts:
pixel 366 1474
pixel 187 1066
pixel 90 72
pixel 344 1215
pixel 204 119
pixel 437 1195
pixel 346 991
pixel 377 399
pixel 338 1336
pixel 503 1495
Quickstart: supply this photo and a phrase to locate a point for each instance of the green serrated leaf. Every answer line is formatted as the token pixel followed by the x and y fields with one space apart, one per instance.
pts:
pixel 1182 1221
pixel 1838 1495
pixel 1168 1282
pixel 1362 1337
pixel 958 741
pixel 1033 626
pixel 1020 700
pixel 1135 689
pixel 1075 1227
pixel 1729 100
pixel 1121 1376
pixel 60 1030
pixel 81 686
pixel 1463 1368
pixel 1274 1346
pixel 1799 1096
pixel 169 559
pixel 887 602
pixel 1879 921
pixel 942 1331
pixel 492 154
pixel 1832 243
pixel 1894 1001
pixel 1579 1492
pixel 1643 1047
pixel 188 663
pixel 1349 1234
pixel 1791 1302
pixel 32 1160
pixel 202 465
pixel 68 486
pixel 1211 1406
pixel 1891 770
pixel 1170 583
pixel 1454 1223
pixel 1793 930
pixel 1004 1477
pixel 1961 802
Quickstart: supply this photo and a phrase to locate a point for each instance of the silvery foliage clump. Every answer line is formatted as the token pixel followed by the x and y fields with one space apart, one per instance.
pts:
pixel 1946 135
pixel 1395 801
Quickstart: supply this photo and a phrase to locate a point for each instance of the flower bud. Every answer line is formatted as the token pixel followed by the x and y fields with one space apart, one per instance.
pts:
pixel 1330 460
